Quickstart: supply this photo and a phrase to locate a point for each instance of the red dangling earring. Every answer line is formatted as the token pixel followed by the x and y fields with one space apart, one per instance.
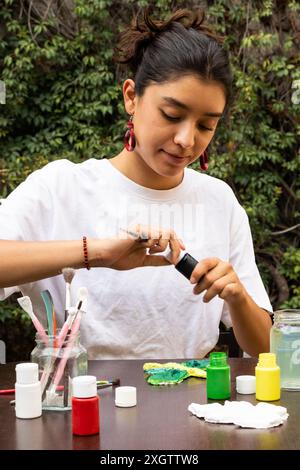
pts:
pixel 203 159
pixel 129 138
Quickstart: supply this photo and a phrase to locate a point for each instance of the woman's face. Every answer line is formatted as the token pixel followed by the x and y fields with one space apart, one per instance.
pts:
pixel 174 122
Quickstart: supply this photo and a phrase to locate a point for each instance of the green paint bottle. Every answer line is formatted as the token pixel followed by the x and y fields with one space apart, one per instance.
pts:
pixel 218 377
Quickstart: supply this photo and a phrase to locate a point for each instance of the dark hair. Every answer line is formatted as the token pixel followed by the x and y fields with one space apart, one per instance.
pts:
pixel 160 51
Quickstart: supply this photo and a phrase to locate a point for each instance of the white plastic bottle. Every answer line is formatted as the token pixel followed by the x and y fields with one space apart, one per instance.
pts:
pixel 28 391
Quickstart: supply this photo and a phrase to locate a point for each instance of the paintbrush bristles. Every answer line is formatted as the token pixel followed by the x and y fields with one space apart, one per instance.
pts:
pixel 68 274
pixel 82 299
pixel 26 304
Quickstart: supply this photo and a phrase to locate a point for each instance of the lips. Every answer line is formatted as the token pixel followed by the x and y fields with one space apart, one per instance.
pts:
pixel 179 157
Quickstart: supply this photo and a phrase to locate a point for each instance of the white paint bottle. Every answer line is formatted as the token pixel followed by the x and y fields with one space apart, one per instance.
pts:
pixel 28 391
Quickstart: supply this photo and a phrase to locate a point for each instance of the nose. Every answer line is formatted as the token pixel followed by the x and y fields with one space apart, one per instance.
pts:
pixel 185 136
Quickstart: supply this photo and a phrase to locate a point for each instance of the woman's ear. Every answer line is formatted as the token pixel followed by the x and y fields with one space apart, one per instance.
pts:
pixel 129 95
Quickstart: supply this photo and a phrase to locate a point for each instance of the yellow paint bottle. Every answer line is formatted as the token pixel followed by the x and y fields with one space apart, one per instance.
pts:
pixel 267 375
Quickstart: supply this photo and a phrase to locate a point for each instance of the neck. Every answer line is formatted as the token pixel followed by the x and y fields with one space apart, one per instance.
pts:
pixel 131 165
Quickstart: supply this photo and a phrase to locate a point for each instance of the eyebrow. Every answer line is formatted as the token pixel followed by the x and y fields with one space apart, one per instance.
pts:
pixel 179 104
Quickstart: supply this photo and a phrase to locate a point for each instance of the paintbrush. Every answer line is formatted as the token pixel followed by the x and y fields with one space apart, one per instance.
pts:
pixel 141 237
pixel 48 302
pixel 68 274
pixel 107 383
pixel 100 384
pixel 26 305
pixel 74 328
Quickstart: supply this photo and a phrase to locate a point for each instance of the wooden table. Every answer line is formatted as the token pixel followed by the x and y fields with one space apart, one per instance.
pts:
pixel 160 420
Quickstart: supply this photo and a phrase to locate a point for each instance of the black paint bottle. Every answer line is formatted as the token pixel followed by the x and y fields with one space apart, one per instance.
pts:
pixel 186 263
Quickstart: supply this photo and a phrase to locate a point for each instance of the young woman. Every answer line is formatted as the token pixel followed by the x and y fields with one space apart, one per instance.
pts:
pixel 178 87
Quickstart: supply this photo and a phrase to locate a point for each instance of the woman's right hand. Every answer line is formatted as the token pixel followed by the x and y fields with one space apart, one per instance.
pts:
pixel 135 247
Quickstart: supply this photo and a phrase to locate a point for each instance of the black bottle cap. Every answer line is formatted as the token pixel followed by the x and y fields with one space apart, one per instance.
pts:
pixel 186 265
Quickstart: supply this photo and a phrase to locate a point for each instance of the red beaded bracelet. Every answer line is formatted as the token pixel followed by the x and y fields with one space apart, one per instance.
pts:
pixel 85 253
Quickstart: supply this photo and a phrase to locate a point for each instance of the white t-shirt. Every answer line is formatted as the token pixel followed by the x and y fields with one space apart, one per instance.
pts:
pixel 146 312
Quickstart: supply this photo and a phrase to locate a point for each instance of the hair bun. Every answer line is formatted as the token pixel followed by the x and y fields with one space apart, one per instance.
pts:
pixel 188 18
pixel 143 30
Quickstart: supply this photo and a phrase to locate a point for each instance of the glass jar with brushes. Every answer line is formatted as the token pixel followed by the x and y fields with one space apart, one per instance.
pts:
pixel 60 358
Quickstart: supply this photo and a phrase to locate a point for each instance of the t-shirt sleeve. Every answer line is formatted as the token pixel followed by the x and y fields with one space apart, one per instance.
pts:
pixel 26 214
pixel 242 258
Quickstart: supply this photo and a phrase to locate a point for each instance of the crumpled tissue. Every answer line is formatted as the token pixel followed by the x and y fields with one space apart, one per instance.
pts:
pixel 241 413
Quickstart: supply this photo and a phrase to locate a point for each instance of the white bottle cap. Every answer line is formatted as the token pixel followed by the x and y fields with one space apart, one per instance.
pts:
pixel 125 396
pixel 27 373
pixel 246 384
pixel 168 255
pixel 84 386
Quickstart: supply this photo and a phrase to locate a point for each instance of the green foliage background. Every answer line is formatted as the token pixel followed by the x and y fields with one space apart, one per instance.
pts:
pixel 64 101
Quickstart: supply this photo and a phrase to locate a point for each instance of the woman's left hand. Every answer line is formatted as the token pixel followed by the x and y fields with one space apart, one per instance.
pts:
pixel 217 277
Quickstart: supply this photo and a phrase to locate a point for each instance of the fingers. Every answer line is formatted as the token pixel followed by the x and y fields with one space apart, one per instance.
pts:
pixel 169 237
pixel 176 246
pixel 212 276
pixel 232 292
pixel 216 277
pixel 157 240
pixel 144 234
pixel 202 268
pixel 217 287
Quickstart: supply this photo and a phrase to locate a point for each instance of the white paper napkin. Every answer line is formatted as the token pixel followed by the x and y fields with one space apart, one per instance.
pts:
pixel 241 413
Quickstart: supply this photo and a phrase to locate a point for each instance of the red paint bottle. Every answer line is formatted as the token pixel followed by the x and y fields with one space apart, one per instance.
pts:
pixel 85 406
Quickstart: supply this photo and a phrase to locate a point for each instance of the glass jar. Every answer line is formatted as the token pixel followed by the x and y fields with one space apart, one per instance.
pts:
pixel 285 343
pixel 58 364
